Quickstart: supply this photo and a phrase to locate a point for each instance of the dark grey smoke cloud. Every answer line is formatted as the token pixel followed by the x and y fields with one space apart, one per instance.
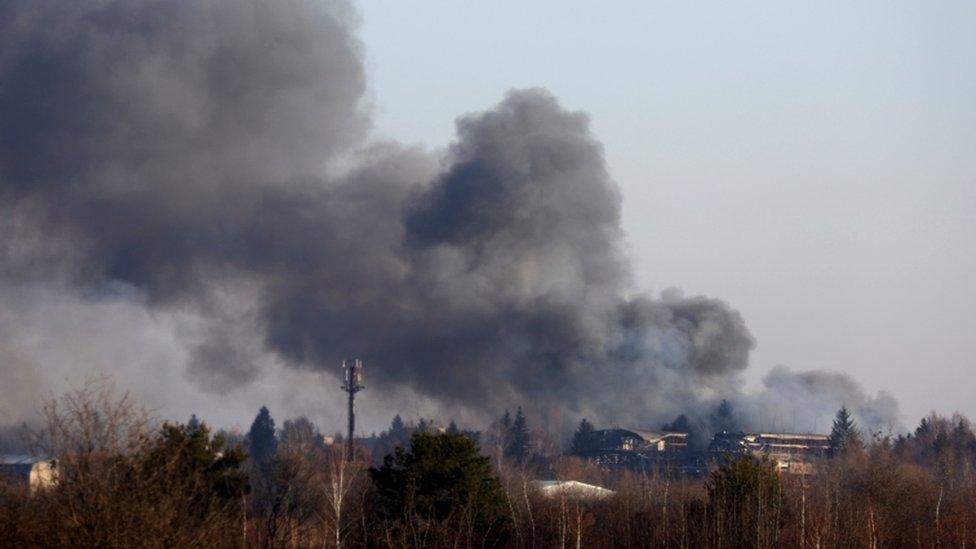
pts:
pixel 502 280
pixel 210 157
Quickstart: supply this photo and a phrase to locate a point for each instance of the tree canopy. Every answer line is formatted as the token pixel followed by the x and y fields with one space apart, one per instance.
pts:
pixel 212 471
pixel 744 495
pixel 441 477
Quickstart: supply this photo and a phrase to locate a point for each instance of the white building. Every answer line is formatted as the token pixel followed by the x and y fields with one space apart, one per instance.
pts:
pixel 34 472
pixel 572 489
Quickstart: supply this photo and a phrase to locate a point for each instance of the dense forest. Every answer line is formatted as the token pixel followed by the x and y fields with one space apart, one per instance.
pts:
pixel 125 479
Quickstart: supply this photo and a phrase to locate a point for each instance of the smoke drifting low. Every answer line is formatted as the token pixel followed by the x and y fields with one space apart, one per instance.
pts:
pixel 205 166
pixel 807 401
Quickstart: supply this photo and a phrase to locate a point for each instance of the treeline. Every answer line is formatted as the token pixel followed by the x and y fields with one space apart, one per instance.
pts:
pixel 126 480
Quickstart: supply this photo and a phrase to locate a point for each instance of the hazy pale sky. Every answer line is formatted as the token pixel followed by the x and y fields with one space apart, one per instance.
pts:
pixel 812 164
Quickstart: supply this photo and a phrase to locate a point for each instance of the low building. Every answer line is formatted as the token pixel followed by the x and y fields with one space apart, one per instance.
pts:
pixel 571 489
pixel 34 473
pixel 728 443
pixel 638 440
pixel 641 450
pixel 664 442
pixel 793 453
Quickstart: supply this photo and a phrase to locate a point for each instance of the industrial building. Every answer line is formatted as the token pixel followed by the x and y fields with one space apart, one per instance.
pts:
pixel 793 453
pixel 638 449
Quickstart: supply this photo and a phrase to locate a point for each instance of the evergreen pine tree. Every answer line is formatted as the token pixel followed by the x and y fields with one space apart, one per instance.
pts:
pixel 584 440
pixel 262 444
pixel 723 420
pixel 519 439
pixel 844 435
pixel 193 425
pixel 206 467
pixel 452 428
pixel 436 477
pixel 397 424
pixel 507 421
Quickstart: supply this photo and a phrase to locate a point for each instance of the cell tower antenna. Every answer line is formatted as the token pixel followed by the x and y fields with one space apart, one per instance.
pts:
pixel 352 384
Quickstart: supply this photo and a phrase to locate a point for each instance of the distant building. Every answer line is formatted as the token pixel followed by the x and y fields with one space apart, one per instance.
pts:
pixel 35 473
pixel 793 453
pixel 728 443
pixel 640 449
pixel 636 440
pixel 571 489
pixel 665 441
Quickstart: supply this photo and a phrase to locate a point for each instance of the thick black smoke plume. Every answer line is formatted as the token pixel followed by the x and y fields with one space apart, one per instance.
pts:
pixel 205 161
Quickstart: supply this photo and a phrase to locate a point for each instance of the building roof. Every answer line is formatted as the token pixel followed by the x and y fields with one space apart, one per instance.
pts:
pixel 646 435
pixel 571 488
pixel 19 459
pixel 790 436
pixel 656 436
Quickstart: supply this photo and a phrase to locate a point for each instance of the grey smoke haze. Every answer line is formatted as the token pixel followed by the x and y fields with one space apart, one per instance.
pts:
pixel 203 168
pixel 807 401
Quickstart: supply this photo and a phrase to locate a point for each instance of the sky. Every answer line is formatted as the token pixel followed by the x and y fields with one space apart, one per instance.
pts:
pixel 811 164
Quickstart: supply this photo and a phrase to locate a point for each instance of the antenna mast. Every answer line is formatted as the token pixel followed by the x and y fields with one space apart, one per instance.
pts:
pixel 353 384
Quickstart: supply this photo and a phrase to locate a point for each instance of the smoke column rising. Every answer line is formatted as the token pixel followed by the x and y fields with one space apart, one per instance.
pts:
pixel 204 166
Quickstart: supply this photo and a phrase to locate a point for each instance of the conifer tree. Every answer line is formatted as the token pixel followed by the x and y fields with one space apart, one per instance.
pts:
pixel 261 442
pixel 193 425
pixel 723 420
pixel 438 477
pixel 584 440
pixel 844 435
pixel 519 439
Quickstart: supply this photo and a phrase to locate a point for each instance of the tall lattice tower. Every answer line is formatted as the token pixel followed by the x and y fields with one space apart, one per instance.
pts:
pixel 353 384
